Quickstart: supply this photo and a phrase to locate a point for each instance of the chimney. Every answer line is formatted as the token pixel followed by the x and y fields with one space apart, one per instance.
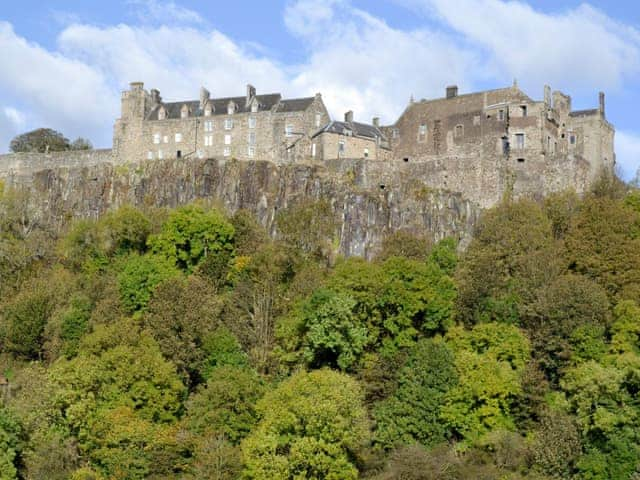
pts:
pixel 348 117
pixel 602 103
pixel 251 92
pixel 156 99
pixel 376 122
pixel 547 95
pixel 204 97
pixel 136 86
pixel 452 91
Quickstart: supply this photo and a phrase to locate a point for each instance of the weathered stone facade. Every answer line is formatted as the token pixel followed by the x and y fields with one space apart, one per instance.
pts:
pixel 484 144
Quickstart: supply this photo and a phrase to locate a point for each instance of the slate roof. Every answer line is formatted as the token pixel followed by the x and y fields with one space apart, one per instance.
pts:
pixel 583 113
pixel 357 129
pixel 267 102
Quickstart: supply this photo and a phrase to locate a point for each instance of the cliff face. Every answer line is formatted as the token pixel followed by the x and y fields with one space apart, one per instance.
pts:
pixel 370 201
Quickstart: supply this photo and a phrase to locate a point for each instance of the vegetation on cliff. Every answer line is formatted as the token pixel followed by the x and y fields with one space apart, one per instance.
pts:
pixel 188 344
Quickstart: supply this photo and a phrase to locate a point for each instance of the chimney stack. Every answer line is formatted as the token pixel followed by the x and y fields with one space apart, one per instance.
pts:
pixel 348 117
pixel 136 86
pixel 204 97
pixel 547 95
pixel 156 99
pixel 251 92
pixel 376 122
pixel 602 103
pixel 452 91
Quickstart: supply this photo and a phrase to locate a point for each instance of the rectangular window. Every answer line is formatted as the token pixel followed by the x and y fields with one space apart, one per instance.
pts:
pixel 288 130
pixel 251 151
pixel 228 123
pixel 501 115
pixel 366 153
pixel 572 139
pixel 523 110
pixel 156 138
pixel 178 137
pixel 520 141
pixel 422 131
pixel 208 126
pixel 149 155
pixel 160 154
pixel 252 122
pixel 208 140
pixel 252 138
pixel 318 120
pixel 341 147
pixel 165 139
pixel 313 150
pixel 476 120
pixel 227 139
pixel 227 151
pixel 395 133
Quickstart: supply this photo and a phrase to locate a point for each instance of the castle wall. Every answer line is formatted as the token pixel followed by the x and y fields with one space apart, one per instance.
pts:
pixel 28 163
pixel 328 147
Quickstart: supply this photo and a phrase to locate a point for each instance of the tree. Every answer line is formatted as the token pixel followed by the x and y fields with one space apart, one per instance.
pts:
pixel 10 445
pixel 81 144
pixel 404 244
pixel 490 361
pixel 139 277
pixel 126 230
pixel 412 413
pixel 333 335
pixel 512 254
pixel 311 426
pixel 191 234
pixel 225 405
pixel 40 140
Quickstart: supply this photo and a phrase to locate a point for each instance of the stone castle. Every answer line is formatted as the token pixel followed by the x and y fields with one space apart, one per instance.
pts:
pixel 433 171
pixel 478 144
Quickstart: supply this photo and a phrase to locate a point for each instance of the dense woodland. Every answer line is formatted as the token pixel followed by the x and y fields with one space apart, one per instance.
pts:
pixel 187 344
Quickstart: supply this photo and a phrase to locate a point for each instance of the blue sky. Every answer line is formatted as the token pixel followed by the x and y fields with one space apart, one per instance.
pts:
pixel 65 62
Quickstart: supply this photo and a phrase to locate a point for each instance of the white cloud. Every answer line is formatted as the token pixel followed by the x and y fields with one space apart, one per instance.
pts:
pixel 169 13
pixel 628 154
pixel 11 123
pixel 580 49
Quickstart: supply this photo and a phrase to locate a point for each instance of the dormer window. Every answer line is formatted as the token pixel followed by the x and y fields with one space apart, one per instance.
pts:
pixel 208 110
pixel 184 112
pixel 162 113
pixel 231 108
pixel 254 106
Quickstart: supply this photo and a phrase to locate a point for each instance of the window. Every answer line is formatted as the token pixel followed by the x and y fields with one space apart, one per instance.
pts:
pixel 288 130
pixel 162 113
pixel 523 110
pixel 318 120
pixel 572 139
pixel 422 131
pixel 459 131
pixel 366 153
pixel 227 151
pixel 208 126
pixel 520 141
pixel 227 139
pixel 313 150
pixel 341 147
pixel 252 138
pixel 505 146
pixel 521 160
pixel 252 122
pixel 228 123
pixel 178 137
pixel 208 140
pixel 160 154
pixel 149 155
pixel 165 139
pixel 395 133
pixel 501 115
pixel 254 107
pixel 476 120
pixel 208 111
pixel 156 138
pixel 179 154
pixel 184 112
pixel 251 151
pixel 231 108
pixel 200 153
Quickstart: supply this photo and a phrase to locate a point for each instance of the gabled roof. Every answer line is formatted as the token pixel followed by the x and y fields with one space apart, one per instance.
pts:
pixel 357 129
pixel 267 102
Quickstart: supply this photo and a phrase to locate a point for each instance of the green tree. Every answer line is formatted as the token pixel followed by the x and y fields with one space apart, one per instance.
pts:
pixel 126 229
pixel 222 349
pixel 139 276
pixel 490 361
pixel 311 426
pixel 225 405
pixel 40 140
pixel 81 144
pixel 190 234
pixel 333 335
pixel 412 413
pixel 10 445
pixel 402 243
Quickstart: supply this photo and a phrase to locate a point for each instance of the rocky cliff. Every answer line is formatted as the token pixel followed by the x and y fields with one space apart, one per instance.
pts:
pixel 371 200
